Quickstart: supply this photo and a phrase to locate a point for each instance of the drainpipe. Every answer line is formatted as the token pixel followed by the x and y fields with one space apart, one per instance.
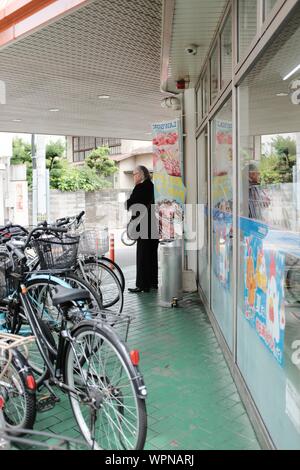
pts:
pixel 166 40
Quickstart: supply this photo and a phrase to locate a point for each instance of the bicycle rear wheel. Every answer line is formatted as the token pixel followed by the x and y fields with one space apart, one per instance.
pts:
pixel 117 420
pixel 116 269
pixel 104 281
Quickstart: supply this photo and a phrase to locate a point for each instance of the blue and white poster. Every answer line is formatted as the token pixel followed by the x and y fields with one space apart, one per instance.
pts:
pixel 264 293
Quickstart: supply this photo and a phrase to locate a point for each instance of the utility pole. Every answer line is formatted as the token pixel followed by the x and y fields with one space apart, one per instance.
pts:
pixel 34 182
pixel 39 179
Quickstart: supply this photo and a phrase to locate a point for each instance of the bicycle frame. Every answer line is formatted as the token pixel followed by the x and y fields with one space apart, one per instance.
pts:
pixel 45 347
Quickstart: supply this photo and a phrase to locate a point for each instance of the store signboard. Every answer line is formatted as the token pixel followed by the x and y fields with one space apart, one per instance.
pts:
pixel 170 191
pixel 222 202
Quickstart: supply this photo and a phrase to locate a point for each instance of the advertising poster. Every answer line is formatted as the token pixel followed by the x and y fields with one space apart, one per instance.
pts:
pixel 167 178
pixel 222 202
pixel 264 302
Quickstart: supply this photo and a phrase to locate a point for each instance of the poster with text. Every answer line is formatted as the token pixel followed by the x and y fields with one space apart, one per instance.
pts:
pixel 167 177
pixel 222 202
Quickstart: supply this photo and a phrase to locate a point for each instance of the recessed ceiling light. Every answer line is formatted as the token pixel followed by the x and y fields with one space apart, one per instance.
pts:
pixel 54 110
pixel 16 120
pixel 103 97
pixel 292 72
pixel 282 94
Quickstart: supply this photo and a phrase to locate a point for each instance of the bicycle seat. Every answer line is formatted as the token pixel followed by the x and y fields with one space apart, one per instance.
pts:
pixel 64 295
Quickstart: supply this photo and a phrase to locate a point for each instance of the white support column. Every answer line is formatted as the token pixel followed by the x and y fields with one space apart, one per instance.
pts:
pixel 2 194
pixel 190 165
pixel 297 183
pixel 41 177
pixel 5 155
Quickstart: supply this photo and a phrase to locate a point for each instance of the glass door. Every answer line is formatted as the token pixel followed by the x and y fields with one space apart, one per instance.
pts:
pixel 221 221
pixel 203 221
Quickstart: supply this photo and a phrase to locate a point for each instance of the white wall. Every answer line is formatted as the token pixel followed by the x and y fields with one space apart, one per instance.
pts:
pixel 6 144
pixel 126 181
pixel 128 146
pixel 190 167
pixel 145 160
pixel 69 148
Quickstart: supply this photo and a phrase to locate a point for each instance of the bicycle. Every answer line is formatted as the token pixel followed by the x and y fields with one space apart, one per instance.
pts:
pixel 92 365
pixel 93 270
pixel 125 237
pixel 75 223
pixel 49 252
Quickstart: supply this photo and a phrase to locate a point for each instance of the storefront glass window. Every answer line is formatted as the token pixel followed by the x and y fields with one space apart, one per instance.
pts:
pixel 214 74
pixel 268 332
pixel 221 220
pixel 203 259
pixel 247 19
pixel 199 105
pixel 268 7
pixel 226 52
pixel 205 90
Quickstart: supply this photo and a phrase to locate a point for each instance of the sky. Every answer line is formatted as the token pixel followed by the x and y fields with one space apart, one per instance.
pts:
pixel 27 137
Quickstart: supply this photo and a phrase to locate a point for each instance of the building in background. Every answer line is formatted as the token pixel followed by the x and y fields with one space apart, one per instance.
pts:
pixel 127 154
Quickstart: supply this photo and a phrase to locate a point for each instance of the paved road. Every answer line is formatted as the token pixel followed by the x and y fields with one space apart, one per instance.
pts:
pixel 124 255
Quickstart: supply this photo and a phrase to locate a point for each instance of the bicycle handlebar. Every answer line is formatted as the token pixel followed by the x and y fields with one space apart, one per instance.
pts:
pixel 69 220
pixel 79 216
pixel 20 254
pixel 49 228
pixel 10 226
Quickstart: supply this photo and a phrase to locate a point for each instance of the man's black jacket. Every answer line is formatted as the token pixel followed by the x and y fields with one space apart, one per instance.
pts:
pixel 143 193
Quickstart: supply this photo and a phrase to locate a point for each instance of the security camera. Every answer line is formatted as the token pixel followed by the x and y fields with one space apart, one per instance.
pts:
pixel 191 49
pixel 171 102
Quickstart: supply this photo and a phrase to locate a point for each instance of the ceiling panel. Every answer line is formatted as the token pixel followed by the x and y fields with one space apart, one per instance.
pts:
pixel 105 48
pixel 195 22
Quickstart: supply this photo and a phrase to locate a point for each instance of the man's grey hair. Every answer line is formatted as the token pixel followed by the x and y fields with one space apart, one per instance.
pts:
pixel 146 174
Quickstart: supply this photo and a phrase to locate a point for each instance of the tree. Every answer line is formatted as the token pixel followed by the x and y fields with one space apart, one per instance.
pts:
pixel 278 166
pixel 54 151
pixel 22 155
pixel 62 175
pixel 21 152
pixel 284 145
pixel 99 160
pixel 78 178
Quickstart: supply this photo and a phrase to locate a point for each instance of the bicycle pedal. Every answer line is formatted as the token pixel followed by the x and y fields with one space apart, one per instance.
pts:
pixel 46 403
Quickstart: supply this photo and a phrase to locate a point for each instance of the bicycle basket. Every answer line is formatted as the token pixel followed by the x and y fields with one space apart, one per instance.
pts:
pixel 29 439
pixel 57 252
pixel 94 242
pixel 119 322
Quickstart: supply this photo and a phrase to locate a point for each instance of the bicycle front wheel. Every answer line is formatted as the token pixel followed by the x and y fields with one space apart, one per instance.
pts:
pixel 97 365
pixel 19 404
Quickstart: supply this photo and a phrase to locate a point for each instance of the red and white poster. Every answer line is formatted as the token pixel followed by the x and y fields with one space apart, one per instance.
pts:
pixel 167 178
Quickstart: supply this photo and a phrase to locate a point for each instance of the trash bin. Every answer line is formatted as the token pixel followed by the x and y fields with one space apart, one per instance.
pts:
pixel 170 288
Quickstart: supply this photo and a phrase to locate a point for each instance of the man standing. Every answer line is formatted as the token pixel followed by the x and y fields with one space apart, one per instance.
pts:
pixel 140 203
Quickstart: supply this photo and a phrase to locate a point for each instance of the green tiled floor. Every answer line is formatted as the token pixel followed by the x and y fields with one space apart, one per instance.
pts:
pixel 193 402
